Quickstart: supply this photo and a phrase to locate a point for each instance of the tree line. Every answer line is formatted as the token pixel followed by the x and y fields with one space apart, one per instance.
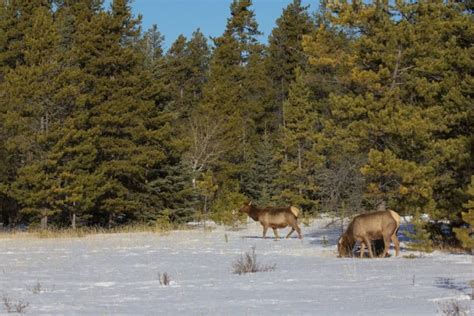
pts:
pixel 354 107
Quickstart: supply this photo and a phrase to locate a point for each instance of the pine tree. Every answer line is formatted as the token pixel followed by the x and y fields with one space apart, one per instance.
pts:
pixel 260 180
pixel 32 112
pixel 285 53
pixel 198 53
pixel 225 207
pixel 226 92
pixel 152 46
pixel 464 234
pixel 399 98
pixel 184 72
pixel 20 23
pixel 16 19
pixel 297 141
pixel 118 133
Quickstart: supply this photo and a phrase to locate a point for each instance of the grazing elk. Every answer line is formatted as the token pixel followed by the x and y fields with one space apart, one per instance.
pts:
pixel 367 227
pixel 274 217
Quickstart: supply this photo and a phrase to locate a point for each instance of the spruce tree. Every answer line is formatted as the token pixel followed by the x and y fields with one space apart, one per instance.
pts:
pixel 465 234
pixel 298 160
pixel 184 72
pixel 260 179
pixel 285 53
pixel 32 111
pixel 16 19
pixel 233 100
pixel 118 133
pixel 225 94
pixel 152 46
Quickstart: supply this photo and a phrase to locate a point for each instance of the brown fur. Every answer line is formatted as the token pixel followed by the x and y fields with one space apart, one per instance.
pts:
pixel 367 227
pixel 274 217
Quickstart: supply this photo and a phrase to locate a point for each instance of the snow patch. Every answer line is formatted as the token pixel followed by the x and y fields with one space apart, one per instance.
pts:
pixel 104 284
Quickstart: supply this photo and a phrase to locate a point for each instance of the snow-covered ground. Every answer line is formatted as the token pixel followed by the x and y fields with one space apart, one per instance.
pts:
pixel 118 274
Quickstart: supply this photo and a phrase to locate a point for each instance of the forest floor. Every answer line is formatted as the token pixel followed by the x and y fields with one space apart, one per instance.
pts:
pixel 120 274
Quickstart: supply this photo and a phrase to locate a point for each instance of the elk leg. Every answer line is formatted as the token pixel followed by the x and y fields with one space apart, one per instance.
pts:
pixel 298 230
pixel 362 249
pixel 291 232
pixel 369 247
pixel 265 231
pixel 396 244
pixel 386 241
pixel 275 232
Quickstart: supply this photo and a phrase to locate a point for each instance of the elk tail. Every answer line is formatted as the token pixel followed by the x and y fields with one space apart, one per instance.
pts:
pixel 295 211
pixel 396 217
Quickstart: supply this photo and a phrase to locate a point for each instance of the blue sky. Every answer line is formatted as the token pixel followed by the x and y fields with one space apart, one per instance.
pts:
pixel 175 17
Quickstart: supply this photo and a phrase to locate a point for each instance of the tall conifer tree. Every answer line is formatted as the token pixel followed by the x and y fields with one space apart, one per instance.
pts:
pixel 285 53
pixel 400 100
pixel 226 97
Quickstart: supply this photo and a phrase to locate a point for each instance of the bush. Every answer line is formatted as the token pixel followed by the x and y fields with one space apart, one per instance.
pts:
pixel 453 308
pixel 164 279
pixel 14 306
pixel 421 237
pixel 247 263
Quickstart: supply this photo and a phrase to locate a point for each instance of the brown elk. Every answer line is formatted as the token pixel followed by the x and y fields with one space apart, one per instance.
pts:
pixel 367 227
pixel 274 217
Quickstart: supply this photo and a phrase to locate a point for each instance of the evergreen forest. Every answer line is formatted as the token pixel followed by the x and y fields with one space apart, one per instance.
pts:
pixel 357 106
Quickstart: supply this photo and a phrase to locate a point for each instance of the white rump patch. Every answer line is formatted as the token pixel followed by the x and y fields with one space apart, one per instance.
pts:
pixel 294 210
pixel 395 216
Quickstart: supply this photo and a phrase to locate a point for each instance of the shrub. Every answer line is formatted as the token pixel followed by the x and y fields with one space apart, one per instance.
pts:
pixel 14 306
pixel 37 288
pixel 453 308
pixel 247 263
pixel 164 279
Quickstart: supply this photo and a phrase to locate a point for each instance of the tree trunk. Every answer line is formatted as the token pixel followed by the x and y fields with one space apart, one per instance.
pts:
pixel 299 156
pixel 110 221
pixel 73 220
pixel 44 222
pixel 205 210
pixel 343 213
pixel 300 165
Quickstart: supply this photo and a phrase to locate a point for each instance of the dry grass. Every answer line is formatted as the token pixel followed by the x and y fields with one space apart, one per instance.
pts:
pixel 247 263
pixel 456 249
pixel 410 256
pixel 86 231
pixel 37 288
pixel 14 306
pixel 164 279
pixel 453 308
pixel 471 283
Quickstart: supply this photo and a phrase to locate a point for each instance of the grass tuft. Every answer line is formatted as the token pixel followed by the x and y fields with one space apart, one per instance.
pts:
pixel 37 288
pixel 453 308
pixel 14 306
pixel 247 263
pixel 164 279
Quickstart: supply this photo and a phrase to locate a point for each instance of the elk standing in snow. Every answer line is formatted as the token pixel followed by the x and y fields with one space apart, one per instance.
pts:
pixel 367 227
pixel 274 217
